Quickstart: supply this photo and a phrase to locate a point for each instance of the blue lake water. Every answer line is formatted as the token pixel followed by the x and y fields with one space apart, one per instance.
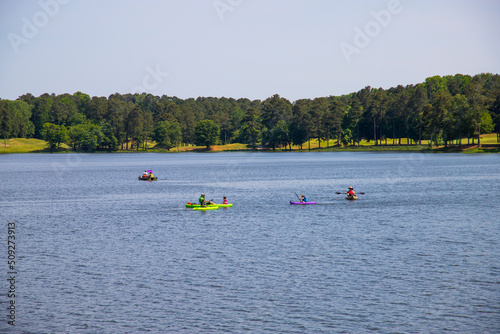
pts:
pixel 98 251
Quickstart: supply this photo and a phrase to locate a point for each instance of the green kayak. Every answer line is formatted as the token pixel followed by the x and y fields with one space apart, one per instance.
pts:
pixel 193 205
pixel 203 208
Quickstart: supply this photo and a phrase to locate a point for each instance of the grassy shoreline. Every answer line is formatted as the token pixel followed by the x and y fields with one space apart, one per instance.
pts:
pixel 22 145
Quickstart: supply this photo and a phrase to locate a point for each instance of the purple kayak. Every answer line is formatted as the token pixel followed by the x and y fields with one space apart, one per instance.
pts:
pixel 302 203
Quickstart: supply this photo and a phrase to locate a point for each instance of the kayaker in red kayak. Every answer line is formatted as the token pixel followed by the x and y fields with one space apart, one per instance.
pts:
pixel 350 192
pixel 303 198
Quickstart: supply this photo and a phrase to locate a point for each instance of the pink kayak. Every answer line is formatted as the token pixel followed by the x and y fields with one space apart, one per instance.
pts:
pixel 302 203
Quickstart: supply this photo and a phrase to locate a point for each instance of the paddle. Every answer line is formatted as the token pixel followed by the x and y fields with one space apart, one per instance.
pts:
pixel 297 196
pixel 211 202
pixel 339 193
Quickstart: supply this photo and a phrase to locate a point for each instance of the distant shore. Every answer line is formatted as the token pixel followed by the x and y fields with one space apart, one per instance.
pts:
pixel 488 145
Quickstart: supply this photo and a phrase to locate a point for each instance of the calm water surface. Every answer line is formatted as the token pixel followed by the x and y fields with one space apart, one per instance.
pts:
pixel 99 251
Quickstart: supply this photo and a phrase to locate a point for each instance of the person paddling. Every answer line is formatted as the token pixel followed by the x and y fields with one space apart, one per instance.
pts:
pixel 350 192
pixel 202 200
pixel 303 198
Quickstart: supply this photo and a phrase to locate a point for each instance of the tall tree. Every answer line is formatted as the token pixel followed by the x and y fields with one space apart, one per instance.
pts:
pixel 377 110
pixel 148 128
pixel 63 108
pixel 167 111
pixel 334 116
pixel 175 133
pixel 251 127
pixel 6 121
pixel 85 136
pixel 28 98
pixel 81 101
pixel 97 108
pixel 275 109
pixel 352 118
pixel 436 114
pixel 187 121
pixel 54 135
pixel 300 124
pixel 206 133
pixel 161 135
pixel 117 114
pixel 435 84
pixel 108 140
pixel 416 105
pixel 22 127
pixel 459 123
pixel 319 107
pixel 41 113
pixel 281 134
pixel 495 112
pixel 478 106
pixel 135 125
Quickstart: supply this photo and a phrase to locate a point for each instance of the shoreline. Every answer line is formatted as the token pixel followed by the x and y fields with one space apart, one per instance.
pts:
pixel 489 145
pixel 379 149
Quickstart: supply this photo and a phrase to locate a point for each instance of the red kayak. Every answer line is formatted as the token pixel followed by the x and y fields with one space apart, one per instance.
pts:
pixel 302 203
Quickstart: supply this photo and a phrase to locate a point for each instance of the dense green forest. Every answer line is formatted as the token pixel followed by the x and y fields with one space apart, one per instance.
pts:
pixel 441 109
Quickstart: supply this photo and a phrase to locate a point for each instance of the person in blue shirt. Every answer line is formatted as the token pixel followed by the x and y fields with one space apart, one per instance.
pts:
pixel 303 198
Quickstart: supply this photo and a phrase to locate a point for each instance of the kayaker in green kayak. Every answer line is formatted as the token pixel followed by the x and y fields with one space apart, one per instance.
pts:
pixel 203 201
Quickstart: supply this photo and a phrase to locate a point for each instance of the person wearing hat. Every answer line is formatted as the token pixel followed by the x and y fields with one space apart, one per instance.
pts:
pixel 202 199
pixel 303 198
pixel 350 192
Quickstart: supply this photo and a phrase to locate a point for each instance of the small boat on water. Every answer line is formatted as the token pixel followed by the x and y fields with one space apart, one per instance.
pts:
pixel 229 205
pixel 302 203
pixel 194 205
pixel 351 197
pixel 209 207
pixel 147 178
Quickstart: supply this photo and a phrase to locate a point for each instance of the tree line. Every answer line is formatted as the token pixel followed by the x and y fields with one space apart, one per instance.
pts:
pixel 441 110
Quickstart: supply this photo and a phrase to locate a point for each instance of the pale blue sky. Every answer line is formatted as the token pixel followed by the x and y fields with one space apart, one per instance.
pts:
pixel 240 48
